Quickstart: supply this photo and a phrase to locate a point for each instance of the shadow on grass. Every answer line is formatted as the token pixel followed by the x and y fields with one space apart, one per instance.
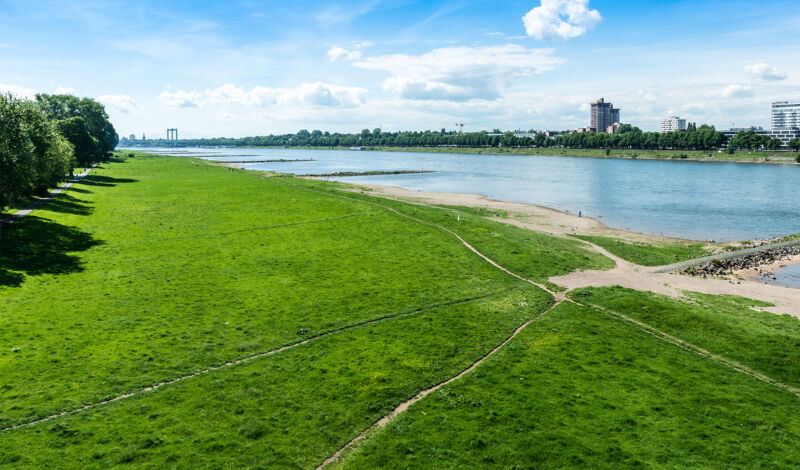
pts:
pixel 75 189
pixel 66 204
pixel 99 180
pixel 33 246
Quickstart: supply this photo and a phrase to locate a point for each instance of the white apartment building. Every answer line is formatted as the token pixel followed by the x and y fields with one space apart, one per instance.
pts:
pixel 785 116
pixel 672 124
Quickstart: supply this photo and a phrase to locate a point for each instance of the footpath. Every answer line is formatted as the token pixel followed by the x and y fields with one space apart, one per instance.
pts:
pixel 43 200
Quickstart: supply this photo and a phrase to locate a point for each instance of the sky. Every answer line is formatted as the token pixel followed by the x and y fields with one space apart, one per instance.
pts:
pixel 239 68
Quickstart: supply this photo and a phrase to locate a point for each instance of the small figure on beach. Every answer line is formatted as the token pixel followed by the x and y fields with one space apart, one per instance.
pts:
pixel 579 213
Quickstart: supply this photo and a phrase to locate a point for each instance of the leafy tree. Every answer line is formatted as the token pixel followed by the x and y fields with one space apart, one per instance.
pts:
pixel 63 107
pixel 33 155
pixel 774 144
pixel 794 144
pixel 76 131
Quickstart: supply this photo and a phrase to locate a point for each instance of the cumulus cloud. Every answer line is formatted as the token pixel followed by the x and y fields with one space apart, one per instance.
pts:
pixel 339 53
pixel 560 19
pixel 182 99
pixel 731 91
pixel 18 91
pixel 123 103
pixel 307 94
pixel 460 73
pixel 762 71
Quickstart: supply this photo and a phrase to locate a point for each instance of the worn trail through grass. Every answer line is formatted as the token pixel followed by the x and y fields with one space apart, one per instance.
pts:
pixel 737 366
pixel 252 357
pixel 560 297
pixel 422 394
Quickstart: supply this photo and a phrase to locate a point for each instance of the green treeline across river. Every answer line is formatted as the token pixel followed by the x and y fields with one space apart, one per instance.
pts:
pixel 43 141
pixel 703 137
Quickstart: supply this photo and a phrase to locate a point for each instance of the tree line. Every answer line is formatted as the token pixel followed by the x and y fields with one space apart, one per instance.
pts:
pixel 627 137
pixel 42 141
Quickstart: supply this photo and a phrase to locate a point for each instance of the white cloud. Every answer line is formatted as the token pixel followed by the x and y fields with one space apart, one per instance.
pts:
pixel 123 103
pixel 18 91
pixel 64 91
pixel 182 99
pixel 560 19
pixel 339 53
pixel 460 73
pixel 762 71
pixel 731 91
pixel 308 94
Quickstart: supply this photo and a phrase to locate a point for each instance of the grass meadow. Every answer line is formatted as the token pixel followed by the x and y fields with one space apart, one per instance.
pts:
pixel 647 254
pixel 159 271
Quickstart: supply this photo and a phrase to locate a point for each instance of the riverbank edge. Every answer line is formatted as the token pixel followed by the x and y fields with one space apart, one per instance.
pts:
pixel 783 157
pixel 480 201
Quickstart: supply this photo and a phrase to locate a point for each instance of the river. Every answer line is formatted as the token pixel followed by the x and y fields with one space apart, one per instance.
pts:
pixel 686 199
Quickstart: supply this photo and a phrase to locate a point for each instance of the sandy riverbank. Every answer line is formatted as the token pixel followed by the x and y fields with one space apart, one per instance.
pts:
pixel 786 300
pixel 531 216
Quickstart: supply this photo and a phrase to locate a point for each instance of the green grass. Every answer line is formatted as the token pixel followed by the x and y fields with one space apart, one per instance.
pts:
pixel 289 410
pixel 647 254
pixel 724 325
pixel 578 389
pixel 535 255
pixel 157 267
pixel 154 268
pixel 482 211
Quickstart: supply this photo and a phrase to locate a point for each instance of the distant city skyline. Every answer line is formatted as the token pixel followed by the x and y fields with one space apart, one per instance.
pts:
pixel 238 68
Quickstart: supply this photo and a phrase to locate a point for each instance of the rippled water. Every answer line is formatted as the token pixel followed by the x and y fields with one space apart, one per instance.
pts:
pixel 788 276
pixel 698 200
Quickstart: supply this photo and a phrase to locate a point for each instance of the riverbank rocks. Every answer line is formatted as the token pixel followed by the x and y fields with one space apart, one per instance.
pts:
pixel 721 267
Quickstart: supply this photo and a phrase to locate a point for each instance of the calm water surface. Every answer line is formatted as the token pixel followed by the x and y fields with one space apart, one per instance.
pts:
pixel 697 200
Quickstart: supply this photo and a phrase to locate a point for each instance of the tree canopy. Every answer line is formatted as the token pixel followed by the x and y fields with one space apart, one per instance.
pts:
pixel 41 142
pixel 628 137
pixel 95 122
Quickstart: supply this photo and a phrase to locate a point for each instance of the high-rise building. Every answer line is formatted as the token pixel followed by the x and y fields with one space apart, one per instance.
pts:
pixel 672 124
pixel 603 115
pixel 785 116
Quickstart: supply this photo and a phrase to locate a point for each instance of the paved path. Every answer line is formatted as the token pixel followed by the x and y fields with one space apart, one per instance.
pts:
pixel 23 212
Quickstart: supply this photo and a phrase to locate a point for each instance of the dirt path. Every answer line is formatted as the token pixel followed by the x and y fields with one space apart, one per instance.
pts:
pixel 43 200
pixel 560 298
pixel 786 300
pixel 243 360
pixel 538 218
pixel 424 393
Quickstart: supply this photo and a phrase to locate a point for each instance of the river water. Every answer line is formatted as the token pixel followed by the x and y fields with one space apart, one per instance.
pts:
pixel 788 276
pixel 695 200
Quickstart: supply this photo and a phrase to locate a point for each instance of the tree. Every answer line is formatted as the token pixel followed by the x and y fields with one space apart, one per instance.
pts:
pixel 33 155
pixel 77 133
pixel 774 144
pixel 625 128
pixel 794 144
pixel 61 107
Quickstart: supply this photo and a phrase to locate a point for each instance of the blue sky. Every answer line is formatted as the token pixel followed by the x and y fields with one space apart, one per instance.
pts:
pixel 241 68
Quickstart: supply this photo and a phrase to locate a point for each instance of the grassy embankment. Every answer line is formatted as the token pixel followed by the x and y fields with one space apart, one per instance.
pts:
pixel 647 254
pixel 155 268
pixel 159 267
pixel 581 389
